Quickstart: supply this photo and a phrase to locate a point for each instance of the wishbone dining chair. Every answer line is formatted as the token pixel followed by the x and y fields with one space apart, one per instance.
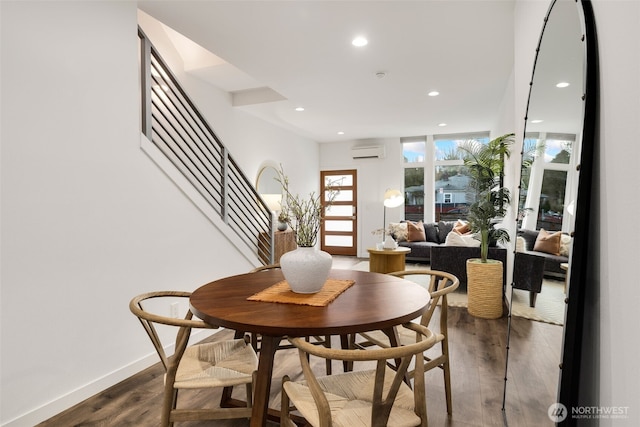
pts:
pixel 215 364
pixel 371 397
pixel 439 285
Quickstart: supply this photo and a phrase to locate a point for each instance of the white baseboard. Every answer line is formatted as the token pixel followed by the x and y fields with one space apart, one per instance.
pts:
pixel 80 394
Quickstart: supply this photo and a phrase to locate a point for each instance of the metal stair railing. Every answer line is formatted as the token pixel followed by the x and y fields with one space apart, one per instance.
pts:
pixel 174 125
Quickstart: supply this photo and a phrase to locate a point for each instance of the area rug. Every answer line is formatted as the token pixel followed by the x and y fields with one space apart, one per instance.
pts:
pixel 549 307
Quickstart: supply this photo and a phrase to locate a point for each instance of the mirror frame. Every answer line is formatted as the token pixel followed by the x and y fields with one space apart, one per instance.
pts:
pixel 263 170
pixel 268 198
pixel 578 283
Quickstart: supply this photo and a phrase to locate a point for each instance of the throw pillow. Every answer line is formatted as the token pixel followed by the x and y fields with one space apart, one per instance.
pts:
pixel 462 227
pixel 565 244
pixel 444 228
pixel 455 239
pixel 521 244
pixel 547 242
pixel 529 237
pixel 415 232
pixel 431 232
pixel 398 231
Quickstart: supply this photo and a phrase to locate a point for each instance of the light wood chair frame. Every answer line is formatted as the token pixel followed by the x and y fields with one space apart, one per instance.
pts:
pixel 381 405
pixel 440 285
pixel 170 413
pixel 275 266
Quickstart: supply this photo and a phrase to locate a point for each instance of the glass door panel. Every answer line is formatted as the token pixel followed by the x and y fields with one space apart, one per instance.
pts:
pixel 338 232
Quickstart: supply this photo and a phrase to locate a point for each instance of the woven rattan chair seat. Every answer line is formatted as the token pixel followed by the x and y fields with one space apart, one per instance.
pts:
pixel 381 339
pixel 349 396
pixel 217 364
pixel 208 365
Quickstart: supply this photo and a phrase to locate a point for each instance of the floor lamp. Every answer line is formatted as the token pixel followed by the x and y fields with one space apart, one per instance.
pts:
pixel 392 199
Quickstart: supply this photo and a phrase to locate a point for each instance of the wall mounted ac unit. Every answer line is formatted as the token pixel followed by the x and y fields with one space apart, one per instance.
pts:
pixel 371 152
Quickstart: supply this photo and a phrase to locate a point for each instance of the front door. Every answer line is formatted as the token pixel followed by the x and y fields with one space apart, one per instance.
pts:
pixel 338 234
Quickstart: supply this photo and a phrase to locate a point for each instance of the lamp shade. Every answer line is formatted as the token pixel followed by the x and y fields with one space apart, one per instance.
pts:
pixel 393 198
pixel 273 201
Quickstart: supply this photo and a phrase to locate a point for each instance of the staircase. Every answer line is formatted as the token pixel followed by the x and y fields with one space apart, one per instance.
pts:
pixel 179 138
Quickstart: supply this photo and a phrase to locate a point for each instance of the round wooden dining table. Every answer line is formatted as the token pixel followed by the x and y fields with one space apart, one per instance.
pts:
pixel 374 302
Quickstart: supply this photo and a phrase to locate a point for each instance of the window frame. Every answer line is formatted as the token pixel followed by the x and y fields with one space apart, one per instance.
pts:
pixel 536 177
pixel 429 162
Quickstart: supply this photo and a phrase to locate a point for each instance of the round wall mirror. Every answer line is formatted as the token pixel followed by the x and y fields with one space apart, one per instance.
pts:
pixel 269 187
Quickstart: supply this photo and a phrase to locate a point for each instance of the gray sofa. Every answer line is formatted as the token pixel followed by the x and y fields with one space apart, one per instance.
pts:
pixel 528 273
pixel 451 259
pixel 551 262
pixel 435 233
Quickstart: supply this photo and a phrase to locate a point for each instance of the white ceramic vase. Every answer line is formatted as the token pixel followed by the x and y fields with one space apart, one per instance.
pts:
pixel 306 269
pixel 389 243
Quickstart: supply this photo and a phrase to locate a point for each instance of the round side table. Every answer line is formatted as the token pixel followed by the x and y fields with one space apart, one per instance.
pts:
pixel 387 260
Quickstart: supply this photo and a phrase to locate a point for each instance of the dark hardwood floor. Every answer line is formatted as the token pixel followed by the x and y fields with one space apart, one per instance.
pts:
pixel 477 352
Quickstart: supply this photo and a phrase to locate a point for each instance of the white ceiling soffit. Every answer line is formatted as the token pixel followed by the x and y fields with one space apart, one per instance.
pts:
pixel 274 56
pixel 207 66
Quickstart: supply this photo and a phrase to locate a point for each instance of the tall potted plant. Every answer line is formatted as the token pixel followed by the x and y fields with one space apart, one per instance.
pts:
pixel 306 268
pixel 491 199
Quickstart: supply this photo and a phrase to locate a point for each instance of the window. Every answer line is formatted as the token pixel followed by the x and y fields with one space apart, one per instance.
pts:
pixel 413 152
pixel 546 175
pixel 452 177
pixel 435 163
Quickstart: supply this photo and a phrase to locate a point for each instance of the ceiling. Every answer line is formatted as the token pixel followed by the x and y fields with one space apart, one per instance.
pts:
pixel 274 56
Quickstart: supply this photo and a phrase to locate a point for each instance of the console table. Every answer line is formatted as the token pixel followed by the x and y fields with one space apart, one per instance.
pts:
pixel 283 242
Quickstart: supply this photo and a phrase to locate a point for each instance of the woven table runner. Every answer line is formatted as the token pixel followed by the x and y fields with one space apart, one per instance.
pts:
pixel 282 293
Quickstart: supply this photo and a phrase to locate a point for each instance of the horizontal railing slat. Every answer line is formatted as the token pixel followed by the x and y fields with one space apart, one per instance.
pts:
pixel 172 123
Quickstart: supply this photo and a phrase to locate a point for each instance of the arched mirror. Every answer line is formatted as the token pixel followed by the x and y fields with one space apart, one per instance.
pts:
pixel 555 183
pixel 269 187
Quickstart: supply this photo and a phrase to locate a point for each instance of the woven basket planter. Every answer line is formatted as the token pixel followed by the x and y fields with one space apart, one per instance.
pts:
pixel 484 288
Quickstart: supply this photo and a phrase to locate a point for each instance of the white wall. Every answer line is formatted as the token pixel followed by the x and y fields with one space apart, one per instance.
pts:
pixel 252 141
pixel 611 364
pixel 375 176
pixel 506 123
pixel 88 221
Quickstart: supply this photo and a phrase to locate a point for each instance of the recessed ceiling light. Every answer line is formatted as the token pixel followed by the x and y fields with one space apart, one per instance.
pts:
pixel 434 93
pixel 340 133
pixel 359 41
pixel 299 108
pixel 442 124
pixel 562 84
pixel 537 121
